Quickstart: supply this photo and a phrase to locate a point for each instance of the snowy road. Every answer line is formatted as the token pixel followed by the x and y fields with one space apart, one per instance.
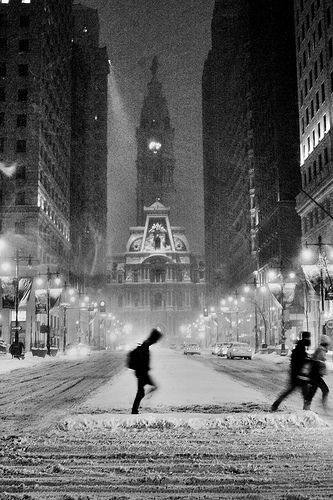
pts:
pixel 67 435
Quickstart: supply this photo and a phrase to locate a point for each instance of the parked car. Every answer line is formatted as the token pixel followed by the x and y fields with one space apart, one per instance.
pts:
pixel 78 350
pixel 239 350
pixel 216 347
pixel 192 349
pixel 223 349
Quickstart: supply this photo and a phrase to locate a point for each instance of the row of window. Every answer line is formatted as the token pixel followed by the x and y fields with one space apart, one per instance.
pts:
pixel 22 70
pixel 21 145
pixel 315 6
pixel 314 107
pixel 22 1
pixel 23 23
pixel 315 168
pixel 46 207
pixel 22 95
pixel 316 216
pixel 23 45
pixel 311 142
pixel 21 120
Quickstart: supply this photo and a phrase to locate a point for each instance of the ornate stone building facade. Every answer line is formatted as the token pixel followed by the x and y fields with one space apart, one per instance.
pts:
pixel 157 282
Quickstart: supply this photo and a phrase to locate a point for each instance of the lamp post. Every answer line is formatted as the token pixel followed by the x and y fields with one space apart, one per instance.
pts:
pixel 17 259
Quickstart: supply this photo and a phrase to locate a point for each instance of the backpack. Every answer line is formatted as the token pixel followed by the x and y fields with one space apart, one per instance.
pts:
pixel 133 358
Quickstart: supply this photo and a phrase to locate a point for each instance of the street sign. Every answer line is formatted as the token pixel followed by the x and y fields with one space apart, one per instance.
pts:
pixel 19 328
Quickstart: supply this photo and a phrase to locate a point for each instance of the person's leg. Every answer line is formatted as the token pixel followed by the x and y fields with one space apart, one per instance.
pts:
pixel 291 386
pixel 310 393
pixel 324 389
pixel 139 395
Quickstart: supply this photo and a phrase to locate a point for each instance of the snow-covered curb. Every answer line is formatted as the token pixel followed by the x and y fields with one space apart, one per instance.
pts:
pixel 8 364
pixel 230 422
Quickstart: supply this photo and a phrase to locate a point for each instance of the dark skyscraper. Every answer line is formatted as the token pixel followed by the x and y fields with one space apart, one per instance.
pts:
pixel 250 146
pixel 155 157
pixel 90 68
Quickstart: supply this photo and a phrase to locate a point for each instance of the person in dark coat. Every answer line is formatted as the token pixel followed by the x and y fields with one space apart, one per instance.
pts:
pixel 317 372
pixel 297 377
pixel 143 367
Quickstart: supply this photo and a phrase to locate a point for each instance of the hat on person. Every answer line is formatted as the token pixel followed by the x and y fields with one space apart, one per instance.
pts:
pixel 325 340
pixel 305 335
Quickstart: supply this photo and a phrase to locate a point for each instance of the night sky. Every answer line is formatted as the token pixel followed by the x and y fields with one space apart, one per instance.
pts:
pixel 178 32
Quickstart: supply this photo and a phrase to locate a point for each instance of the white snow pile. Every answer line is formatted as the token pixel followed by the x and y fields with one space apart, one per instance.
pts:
pixel 228 422
pixel 8 364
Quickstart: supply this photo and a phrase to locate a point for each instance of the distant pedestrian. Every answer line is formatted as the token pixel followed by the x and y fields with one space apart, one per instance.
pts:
pixel 298 378
pixel 16 349
pixel 139 360
pixel 317 372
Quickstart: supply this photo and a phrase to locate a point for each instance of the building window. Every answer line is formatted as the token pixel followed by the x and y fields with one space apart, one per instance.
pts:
pixel 306 87
pixel 2 94
pixel 3 43
pixel 3 69
pixel 314 138
pixel 326 156
pixel 21 120
pixel 21 146
pixel 321 61
pixel 24 45
pixel 331 81
pixel 25 1
pixel 320 31
pixel 24 21
pixel 19 227
pixel 320 162
pixel 323 92
pixel 310 79
pixel 312 109
pixel 302 125
pixel 22 95
pixel 316 70
pixel 317 101
pixel 20 198
pixel 330 48
pixel 2 144
pixel 23 69
pixel 4 1
pixel 304 59
pixel 309 147
pixel 307 116
pixel 319 131
pixel 2 118
pixel 20 172
pixel 325 123
pixel 329 18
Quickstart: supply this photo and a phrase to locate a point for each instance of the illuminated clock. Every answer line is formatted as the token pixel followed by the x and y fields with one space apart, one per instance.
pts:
pixel 154 145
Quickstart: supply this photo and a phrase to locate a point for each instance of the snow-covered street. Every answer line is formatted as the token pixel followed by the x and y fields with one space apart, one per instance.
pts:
pixel 67 432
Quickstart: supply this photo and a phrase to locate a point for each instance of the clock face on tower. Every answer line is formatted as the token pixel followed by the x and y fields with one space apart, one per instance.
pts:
pixel 154 145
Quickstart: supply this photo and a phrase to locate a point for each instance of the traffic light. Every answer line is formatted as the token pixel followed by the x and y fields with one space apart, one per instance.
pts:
pixel 205 311
pixel 102 306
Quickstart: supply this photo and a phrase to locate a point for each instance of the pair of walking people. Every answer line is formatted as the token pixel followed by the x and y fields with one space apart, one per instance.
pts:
pixel 307 372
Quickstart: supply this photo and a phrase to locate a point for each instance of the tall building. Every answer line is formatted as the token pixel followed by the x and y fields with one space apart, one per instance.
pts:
pixel 90 68
pixel 35 122
pixel 157 281
pixel 250 152
pixel 155 157
pixel 314 50
pixel 53 150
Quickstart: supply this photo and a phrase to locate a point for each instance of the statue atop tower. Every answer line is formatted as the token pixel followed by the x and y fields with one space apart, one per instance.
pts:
pixel 155 157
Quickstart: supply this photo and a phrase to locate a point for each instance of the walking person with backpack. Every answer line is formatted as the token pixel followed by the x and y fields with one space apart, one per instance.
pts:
pixel 318 371
pixel 298 377
pixel 139 360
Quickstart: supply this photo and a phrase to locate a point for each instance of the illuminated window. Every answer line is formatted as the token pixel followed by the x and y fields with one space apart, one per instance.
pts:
pixel 4 1
pixel 25 1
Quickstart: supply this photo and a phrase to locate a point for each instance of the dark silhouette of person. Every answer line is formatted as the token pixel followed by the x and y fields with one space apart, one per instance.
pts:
pixel 16 349
pixel 142 370
pixel 317 372
pixel 297 379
